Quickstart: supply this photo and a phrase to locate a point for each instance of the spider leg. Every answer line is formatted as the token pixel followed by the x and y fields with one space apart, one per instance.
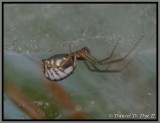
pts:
pixel 124 57
pixel 111 53
pixel 30 58
pixel 68 58
pixel 74 62
pixel 34 55
pixel 104 62
pixel 89 68
pixel 65 61
pixel 100 61
pixel 106 70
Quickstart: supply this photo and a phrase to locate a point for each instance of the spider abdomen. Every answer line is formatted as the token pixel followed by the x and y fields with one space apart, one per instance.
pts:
pixel 52 69
pixel 56 74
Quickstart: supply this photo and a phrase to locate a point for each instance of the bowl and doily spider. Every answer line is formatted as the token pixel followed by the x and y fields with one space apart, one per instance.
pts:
pixel 61 66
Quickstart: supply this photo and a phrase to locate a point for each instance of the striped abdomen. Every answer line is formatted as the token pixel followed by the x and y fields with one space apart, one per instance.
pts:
pixel 59 73
pixel 56 74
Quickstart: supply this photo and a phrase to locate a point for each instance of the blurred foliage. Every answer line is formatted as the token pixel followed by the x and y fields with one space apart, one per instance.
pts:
pixel 48 29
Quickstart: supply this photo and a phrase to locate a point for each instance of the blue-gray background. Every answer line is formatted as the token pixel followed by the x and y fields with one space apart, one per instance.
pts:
pixel 48 29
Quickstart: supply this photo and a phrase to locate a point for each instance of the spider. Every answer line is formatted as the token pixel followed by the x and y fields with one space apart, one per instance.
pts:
pixel 60 66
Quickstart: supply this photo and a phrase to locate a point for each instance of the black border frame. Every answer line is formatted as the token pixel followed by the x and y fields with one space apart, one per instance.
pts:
pixel 25 2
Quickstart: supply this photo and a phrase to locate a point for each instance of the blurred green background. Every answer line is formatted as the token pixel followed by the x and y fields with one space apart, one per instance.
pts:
pixel 49 29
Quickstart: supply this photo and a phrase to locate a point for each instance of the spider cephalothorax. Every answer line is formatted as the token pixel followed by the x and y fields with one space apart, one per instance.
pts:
pixel 61 66
pixel 83 52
